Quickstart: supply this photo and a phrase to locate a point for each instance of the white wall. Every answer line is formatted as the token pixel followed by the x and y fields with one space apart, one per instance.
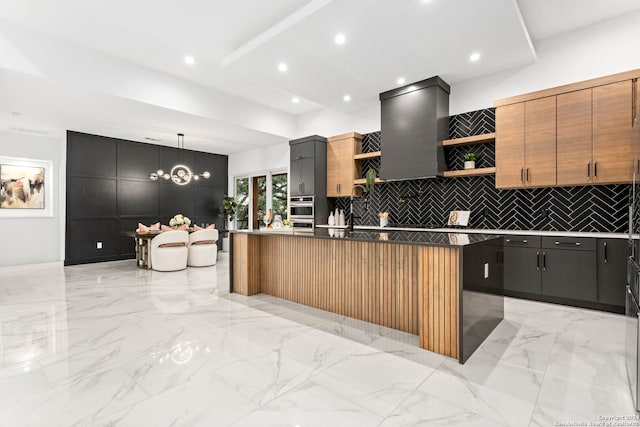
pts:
pixel 33 240
pixel 598 50
pixel 327 122
pixel 595 51
pixel 255 162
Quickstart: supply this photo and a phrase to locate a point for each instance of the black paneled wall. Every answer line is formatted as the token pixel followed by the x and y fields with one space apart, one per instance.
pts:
pixel 428 201
pixel 109 191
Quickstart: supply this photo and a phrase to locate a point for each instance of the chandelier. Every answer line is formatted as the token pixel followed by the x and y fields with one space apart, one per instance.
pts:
pixel 179 174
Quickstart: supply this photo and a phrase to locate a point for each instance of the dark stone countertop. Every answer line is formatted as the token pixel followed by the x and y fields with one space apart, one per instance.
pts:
pixel 424 238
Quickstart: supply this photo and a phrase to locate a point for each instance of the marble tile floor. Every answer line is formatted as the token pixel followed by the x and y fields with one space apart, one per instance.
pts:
pixel 112 345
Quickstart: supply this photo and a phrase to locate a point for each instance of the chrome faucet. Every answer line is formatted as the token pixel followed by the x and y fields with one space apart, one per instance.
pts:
pixel 351 219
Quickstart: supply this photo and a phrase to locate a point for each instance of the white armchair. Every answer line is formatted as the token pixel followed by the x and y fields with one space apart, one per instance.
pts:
pixel 169 251
pixel 203 248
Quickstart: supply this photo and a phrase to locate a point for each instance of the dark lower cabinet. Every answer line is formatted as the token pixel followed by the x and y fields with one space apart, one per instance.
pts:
pixel 569 273
pixel 584 272
pixel 612 268
pixel 522 271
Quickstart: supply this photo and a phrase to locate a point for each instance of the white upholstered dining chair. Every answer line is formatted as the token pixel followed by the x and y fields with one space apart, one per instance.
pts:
pixel 169 251
pixel 203 248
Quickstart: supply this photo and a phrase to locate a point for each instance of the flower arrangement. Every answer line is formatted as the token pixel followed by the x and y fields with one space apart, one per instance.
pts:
pixel 179 219
pixel 383 214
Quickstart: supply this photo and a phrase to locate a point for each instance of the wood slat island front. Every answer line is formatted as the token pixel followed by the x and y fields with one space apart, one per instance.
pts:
pixel 398 283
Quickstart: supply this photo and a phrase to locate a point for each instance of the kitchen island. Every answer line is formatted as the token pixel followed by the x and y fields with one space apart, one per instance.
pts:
pixel 444 287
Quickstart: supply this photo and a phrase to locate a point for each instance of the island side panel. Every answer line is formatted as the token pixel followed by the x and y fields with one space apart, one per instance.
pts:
pixel 438 307
pixel 374 282
pixel 482 302
pixel 245 264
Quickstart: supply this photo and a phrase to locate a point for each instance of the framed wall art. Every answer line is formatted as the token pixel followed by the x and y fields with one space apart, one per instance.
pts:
pixel 26 187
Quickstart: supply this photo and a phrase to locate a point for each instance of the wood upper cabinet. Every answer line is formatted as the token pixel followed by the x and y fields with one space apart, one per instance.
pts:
pixel 526 144
pixel 540 142
pixel 594 135
pixel 574 138
pixel 510 146
pixel 578 134
pixel 342 169
pixel 614 157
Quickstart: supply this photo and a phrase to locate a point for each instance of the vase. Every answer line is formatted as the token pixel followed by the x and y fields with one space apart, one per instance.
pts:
pixel 384 222
pixel 470 164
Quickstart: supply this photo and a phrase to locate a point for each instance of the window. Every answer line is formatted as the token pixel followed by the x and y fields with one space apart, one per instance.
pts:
pixel 259 200
pixel 242 197
pixel 259 193
pixel 279 194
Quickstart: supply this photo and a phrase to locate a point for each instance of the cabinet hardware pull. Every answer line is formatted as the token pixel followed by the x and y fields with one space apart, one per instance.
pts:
pixel 606 260
pixel 544 261
pixel 595 170
pixel 589 170
pixel 517 241
pixel 638 165
pixel 527 175
pixel 568 243
pixel 537 261
pixel 522 175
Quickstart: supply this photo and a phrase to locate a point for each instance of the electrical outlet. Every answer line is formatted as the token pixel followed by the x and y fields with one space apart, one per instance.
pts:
pixel 99 245
pixel 486 270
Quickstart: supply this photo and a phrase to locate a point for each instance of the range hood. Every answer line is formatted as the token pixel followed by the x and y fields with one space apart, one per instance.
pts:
pixel 415 121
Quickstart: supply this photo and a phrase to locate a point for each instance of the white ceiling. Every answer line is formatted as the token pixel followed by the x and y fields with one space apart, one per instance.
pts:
pixel 237 46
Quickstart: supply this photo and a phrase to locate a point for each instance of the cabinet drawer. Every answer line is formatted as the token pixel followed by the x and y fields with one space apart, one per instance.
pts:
pixel 574 243
pixel 522 241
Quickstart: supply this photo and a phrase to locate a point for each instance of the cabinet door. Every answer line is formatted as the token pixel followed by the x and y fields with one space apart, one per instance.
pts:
pixel 340 167
pixel 522 271
pixel 510 146
pixel 569 274
pixel 307 176
pixel 613 153
pixel 540 142
pixel 295 178
pixel 574 138
pixel 302 150
pixel 612 269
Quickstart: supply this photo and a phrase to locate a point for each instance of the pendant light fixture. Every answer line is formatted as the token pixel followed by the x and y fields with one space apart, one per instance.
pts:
pixel 180 174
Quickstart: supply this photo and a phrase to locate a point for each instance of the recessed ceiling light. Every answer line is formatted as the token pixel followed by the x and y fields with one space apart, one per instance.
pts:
pixel 346 98
pixel 474 57
pixel 340 38
pixel 189 60
pixel 295 100
pixel 282 67
pixel 400 80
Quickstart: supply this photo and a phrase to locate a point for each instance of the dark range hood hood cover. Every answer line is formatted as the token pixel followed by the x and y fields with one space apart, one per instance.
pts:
pixel 414 122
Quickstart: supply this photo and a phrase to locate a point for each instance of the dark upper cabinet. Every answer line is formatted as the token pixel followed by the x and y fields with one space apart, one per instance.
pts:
pixel 308 166
pixel 414 121
pixel 612 264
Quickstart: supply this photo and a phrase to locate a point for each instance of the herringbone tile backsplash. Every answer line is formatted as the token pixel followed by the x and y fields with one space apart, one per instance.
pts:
pixel 428 201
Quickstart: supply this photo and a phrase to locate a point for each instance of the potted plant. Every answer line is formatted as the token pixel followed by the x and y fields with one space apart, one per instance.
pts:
pixel 370 181
pixel 228 210
pixel 470 160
